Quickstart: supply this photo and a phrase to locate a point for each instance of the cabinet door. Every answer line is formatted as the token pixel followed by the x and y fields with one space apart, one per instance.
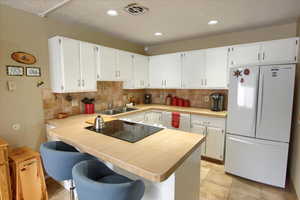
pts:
pixel 215 143
pixel 280 51
pixel 156 72
pixel 141 68
pixel 248 54
pixel 5 192
pixel 125 66
pixel 108 64
pixel 216 68
pixel 197 128
pixel 171 67
pixel 88 66
pixel 193 69
pixel 71 65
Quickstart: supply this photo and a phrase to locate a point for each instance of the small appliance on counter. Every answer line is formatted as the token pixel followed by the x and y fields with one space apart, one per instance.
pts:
pixel 217 102
pixel 147 99
pixel 89 107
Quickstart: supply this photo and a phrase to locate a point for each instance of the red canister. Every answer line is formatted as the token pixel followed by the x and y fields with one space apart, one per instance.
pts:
pixel 174 101
pixel 89 109
pixel 180 102
pixel 186 103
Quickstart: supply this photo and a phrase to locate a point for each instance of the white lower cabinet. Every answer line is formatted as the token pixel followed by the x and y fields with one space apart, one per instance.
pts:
pixel 184 121
pixel 214 129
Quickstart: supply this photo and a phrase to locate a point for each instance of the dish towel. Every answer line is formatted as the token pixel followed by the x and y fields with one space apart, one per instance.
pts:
pixel 175 119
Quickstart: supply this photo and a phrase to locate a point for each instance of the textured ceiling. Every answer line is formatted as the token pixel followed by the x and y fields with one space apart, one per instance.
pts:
pixel 176 19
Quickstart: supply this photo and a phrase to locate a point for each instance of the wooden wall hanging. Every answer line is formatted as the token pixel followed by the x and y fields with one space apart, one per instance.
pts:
pixel 22 57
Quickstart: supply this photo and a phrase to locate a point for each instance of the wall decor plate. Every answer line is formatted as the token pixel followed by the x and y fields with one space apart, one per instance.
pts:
pixel 23 57
pixel 33 71
pixel 14 70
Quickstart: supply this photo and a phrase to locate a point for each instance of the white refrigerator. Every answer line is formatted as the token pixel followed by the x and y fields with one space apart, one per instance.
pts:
pixel 260 104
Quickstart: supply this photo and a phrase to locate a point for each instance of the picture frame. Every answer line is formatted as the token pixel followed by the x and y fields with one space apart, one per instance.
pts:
pixel 33 71
pixel 12 70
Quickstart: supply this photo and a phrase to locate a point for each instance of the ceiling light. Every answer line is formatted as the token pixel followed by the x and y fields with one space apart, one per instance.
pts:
pixel 213 22
pixel 158 34
pixel 112 12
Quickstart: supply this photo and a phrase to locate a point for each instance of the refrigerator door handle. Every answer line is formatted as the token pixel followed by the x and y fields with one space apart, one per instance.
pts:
pixel 261 98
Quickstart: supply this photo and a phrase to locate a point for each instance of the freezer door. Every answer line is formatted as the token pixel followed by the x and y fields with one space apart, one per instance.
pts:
pixel 242 101
pixel 259 160
pixel 275 102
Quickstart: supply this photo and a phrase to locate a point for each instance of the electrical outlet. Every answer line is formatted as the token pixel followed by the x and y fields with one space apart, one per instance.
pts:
pixel 206 99
pixel 16 127
pixel 74 102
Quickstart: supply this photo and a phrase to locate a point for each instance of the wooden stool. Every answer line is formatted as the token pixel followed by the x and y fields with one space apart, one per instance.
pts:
pixel 28 181
pixel 5 189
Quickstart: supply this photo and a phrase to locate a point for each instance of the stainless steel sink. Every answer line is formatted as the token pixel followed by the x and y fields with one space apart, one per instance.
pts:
pixel 115 111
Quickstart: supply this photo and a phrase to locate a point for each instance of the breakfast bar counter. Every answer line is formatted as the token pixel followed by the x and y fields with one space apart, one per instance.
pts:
pixel 155 157
pixel 167 161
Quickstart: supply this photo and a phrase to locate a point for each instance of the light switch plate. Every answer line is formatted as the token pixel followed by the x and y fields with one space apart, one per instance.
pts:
pixel 11 85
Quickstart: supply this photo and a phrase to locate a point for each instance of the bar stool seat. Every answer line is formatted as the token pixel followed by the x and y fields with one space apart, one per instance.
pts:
pixel 59 158
pixel 94 180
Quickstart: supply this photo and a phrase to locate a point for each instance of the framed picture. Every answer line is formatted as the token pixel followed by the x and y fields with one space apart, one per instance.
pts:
pixel 33 71
pixel 14 70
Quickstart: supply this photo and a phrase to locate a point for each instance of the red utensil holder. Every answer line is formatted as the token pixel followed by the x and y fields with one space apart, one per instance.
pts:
pixel 89 109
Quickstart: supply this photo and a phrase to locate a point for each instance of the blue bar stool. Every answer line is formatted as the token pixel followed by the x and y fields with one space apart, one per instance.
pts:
pixel 94 180
pixel 59 158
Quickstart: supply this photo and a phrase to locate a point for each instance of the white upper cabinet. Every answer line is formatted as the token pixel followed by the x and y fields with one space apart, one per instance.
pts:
pixel 124 68
pixel 107 64
pixel 193 69
pixel 283 51
pixel 171 69
pixel 69 69
pixel 140 71
pixel 156 76
pixel 216 68
pixel 248 54
pixel 280 51
pixel 165 71
pixel 88 63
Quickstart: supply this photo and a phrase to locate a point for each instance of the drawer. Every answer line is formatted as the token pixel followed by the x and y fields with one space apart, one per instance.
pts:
pixel 3 155
pixel 208 121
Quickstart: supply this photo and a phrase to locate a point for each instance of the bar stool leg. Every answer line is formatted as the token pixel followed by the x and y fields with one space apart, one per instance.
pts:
pixel 72 188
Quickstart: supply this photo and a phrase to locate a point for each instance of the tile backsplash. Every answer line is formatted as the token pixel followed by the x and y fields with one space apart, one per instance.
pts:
pixel 112 92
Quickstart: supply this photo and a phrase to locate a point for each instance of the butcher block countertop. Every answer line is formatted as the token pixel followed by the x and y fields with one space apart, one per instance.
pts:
pixel 155 157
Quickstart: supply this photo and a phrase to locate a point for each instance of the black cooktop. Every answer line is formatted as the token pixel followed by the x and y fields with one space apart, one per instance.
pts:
pixel 128 131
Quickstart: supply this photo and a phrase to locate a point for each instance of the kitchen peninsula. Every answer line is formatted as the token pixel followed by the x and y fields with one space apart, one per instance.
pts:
pixel 168 161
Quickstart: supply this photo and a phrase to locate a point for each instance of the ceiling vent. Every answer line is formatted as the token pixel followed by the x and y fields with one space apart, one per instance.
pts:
pixel 136 9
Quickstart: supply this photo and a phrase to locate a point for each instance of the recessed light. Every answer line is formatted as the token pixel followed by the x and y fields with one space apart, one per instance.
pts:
pixel 213 22
pixel 112 12
pixel 158 34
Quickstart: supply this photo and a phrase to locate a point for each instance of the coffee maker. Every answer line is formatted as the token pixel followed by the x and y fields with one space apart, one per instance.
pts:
pixel 147 99
pixel 217 102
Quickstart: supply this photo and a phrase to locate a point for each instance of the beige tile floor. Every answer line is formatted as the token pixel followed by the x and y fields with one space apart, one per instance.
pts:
pixel 215 185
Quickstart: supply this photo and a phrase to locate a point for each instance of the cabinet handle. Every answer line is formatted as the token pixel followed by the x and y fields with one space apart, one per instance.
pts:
pixel 98 76
pixel 116 74
pixel 82 83
pixel 79 84
pixel 264 55
pixel 205 82
pixel 201 82
pixel 162 82
pixel 119 72
pixel 258 56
